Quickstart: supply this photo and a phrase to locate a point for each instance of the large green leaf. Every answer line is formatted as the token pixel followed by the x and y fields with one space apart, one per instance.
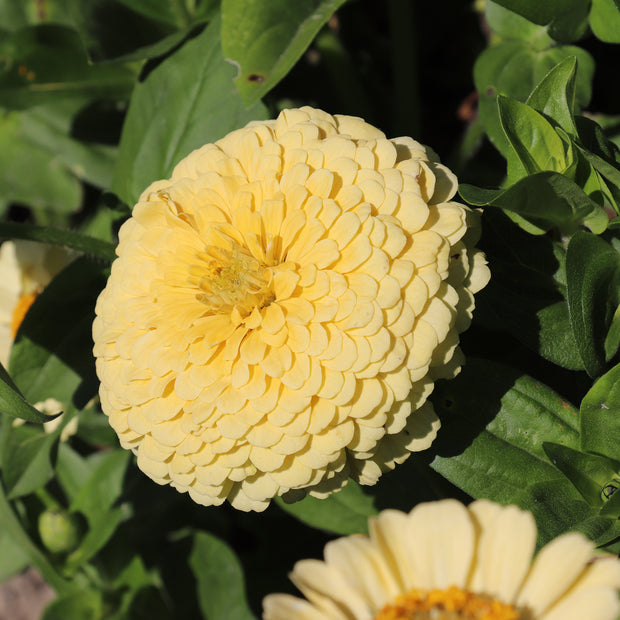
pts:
pixel 219 579
pixel 494 422
pixel 184 103
pixel 47 63
pixel 605 20
pixel 345 512
pixel 593 281
pixel 510 25
pixel 526 294
pixel 51 356
pixel 15 14
pixel 566 20
pixel 265 38
pixel 600 416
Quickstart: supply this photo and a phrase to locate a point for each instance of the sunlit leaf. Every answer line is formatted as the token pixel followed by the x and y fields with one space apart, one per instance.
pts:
pixel 184 103
pixel 265 38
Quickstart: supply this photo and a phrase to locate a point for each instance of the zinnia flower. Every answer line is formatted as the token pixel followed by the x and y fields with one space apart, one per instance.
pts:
pixel 280 307
pixel 449 562
pixel 26 268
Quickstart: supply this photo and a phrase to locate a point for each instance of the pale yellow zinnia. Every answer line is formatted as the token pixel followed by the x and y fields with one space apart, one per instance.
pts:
pixel 444 561
pixel 280 307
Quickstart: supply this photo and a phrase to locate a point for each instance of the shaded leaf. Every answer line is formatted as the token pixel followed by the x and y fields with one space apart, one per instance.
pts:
pixel 184 103
pixel 219 579
pixel 494 422
pixel 86 604
pixel 541 201
pixel 588 472
pixel 593 293
pixel 567 20
pixel 600 416
pixel 265 38
pixel 47 63
pixel 345 512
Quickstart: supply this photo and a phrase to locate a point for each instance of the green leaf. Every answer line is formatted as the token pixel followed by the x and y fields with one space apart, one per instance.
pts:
pixel 219 579
pixel 541 201
pixel 593 293
pixel 534 140
pixel 265 38
pixel 29 174
pixel 510 25
pixel 12 527
pixel 13 403
pixel 95 500
pixel 514 69
pixel 195 104
pixel 600 416
pixel 82 605
pixel 47 63
pixel 28 461
pixel 588 472
pixel 605 20
pixel 13 558
pixel 49 128
pixel 554 96
pixel 344 512
pixel 54 236
pixel 103 487
pixel 51 356
pixel 494 422
pixel 566 20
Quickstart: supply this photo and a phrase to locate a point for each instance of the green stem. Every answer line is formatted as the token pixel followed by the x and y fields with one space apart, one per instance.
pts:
pixel 406 96
pixel 12 526
pixel 47 499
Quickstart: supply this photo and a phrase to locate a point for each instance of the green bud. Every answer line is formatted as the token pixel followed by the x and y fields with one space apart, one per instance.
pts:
pixel 60 530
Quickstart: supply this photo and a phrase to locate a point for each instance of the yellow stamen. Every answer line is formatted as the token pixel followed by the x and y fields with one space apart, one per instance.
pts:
pixel 451 604
pixel 19 312
pixel 231 278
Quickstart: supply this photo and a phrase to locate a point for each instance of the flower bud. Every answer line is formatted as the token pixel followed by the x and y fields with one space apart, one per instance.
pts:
pixel 60 530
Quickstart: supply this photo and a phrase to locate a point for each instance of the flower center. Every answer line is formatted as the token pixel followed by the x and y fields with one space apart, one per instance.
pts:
pixel 231 278
pixel 451 604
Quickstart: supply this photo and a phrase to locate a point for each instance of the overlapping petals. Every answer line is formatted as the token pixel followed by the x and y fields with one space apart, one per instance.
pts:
pixel 280 308
pixel 474 562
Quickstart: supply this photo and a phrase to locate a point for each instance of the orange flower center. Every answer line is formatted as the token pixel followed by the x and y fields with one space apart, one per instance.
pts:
pixel 231 278
pixel 451 604
pixel 19 312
